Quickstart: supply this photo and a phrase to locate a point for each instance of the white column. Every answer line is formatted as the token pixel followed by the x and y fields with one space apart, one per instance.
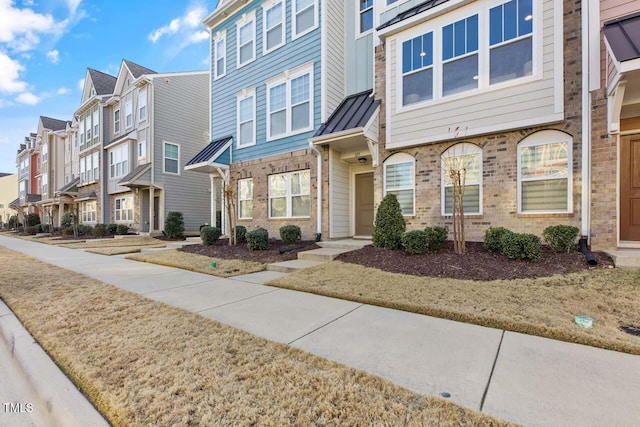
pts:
pixel 151 209
pixel 214 199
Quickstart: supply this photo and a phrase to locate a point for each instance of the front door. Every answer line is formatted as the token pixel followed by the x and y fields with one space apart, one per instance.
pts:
pixel 364 204
pixel 630 188
pixel 156 213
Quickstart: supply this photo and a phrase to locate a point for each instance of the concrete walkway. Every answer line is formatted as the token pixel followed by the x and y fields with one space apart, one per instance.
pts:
pixel 526 379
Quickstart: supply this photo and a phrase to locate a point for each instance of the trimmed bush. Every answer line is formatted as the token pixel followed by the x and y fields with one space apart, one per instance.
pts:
pixel 174 225
pixel 43 228
pixel 13 222
pixel 32 230
pixel 389 225
pixel 122 229
pixel 100 230
pixel 67 220
pixel 258 239
pixel 561 238
pixel 521 246
pixel 67 231
pixel 210 235
pixel 32 220
pixel 290 234
pixel 436 237
pixel 111 229
pixel 493 238
pixel 241 234
pixel 415 242
pixel 85 230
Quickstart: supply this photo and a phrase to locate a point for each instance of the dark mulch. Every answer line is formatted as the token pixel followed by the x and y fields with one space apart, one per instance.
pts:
pixel 476 264
pixel 240 251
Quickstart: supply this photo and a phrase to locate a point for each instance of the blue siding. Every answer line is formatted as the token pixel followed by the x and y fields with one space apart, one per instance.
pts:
pixel 293 54
pixel 225 157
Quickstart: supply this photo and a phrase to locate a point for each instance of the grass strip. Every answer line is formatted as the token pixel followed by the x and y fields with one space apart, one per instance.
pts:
pixel 117 251
pixel 145 363
pixel 544 306
pixel 109 243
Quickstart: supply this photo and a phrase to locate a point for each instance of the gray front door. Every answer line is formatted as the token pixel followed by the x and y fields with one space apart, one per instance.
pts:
pixel 364 204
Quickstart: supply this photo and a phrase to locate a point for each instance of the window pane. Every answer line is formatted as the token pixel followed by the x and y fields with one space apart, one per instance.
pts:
pixel 405 198
pixel 406 56
pixel 274 16
pixel 470 199
pixel 246 52
pixel 544 161
pixel 278 123
pixel 246 209
pixel 300 116
pixel 274 36
pixel 495 25
pixel 417 87
pixel 469 162
pixel 246 133
pixel 171 165
pixel 458 76
pixel 305 20
pixel 300 205
pixel 277 185
pixel 472 33
pixel 300 183
pixel 366 20
pixel 246 33
pixel 278 97
pixel 246 109
pixel 459 36
pixel 525 17
pixel 279 207
pixel 300 89
pixel 547 195
pixel 220 66
pixel 427 50
pixel 246 189
pixel 399 175
pixel 511 61
pixel 510 20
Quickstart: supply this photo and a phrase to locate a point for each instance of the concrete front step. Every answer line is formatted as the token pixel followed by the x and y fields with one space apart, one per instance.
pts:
pixel 293 265
pixel 322 254
pixel 350 244
pixel 626 259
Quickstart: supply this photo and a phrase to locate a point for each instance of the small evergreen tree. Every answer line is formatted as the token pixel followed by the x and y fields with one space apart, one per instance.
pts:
pixel 389 225
pixel 174 225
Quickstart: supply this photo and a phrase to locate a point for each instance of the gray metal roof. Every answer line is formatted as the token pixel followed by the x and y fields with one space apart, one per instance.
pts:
pixel 429 4
pixel 209 151
pixel 134 173
pixel 66 188
pixel 623 35
pixel 137 70
pixel 3 174
pixel 91 195
pixel 53 124
pixel 103 83
pixel 353 112
pixel 34 198
pixel 15 203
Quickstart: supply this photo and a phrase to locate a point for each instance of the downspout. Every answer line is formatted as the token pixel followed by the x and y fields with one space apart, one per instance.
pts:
pixel 152 144
pixel 319 189
pixel 586 126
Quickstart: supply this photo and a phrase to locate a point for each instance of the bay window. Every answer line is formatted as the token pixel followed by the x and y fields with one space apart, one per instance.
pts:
pixel 119 161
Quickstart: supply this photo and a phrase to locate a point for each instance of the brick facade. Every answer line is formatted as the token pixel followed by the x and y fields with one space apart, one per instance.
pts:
pixel 134 225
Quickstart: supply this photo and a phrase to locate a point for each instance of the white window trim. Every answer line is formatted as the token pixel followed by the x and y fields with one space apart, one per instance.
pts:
pixel 164 143
pixel 220 36
pixel 122 149
pixel 395 159
pixel 240 199
pixel 437 24
pixel 248 18
pixel 87 212
pixel 128 106
pixel 265 7
pixel 289 195
pixel 142 96
pixel 96 124
pixel 358 14
pixel 547 137
pixel 245 94
pixel 117 121
pixel 457 150
pixel 115 209
pixel 286 78
pixel 294 34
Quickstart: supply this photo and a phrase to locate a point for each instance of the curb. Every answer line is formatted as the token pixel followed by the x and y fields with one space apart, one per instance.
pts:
pixel 64 404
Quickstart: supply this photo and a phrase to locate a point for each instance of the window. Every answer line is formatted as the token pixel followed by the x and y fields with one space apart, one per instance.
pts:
pixel 81 133
pixel 45 153
pixel 273 34
pixel 246 118
pixel 45 184
pixel 124 209
pixel 246 40
pixel 544 178
pixel 96 123
pixel 417 69
pixel 116 121
pixel 75 139
pixel 142 150
pixel 83 171
pixel 289 195
pixel 366 15
pixel 220 55
pixel 88 167
pixel 87 127
pixel 129 113
pixel 305 17
pixel 245 198
pixel 95 160
pixel 511 40
pixel 142 105
pixel 460 56
pixel 119 161
pixel 88 211
pixel 466 158
pixel 171 158
pixel 290 105
pixel 399 179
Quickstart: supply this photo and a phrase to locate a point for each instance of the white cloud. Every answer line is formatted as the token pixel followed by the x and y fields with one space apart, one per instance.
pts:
pixel 20 28
pixel 81 84
pixel 28 98
pixel 198 37
pixel 53 56
pixel 73 5
pixel 10 75
pixel 187 26
pixel 62 91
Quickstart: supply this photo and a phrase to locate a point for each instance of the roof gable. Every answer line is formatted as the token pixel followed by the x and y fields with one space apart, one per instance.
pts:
pixel 52 124
pixel 129 71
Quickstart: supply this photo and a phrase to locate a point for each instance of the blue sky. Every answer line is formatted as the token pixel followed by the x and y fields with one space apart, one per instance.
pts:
pixel 47 45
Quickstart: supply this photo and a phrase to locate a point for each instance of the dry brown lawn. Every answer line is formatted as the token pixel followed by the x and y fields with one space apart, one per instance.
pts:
pixel 544 306
pixel 144 363
pixel 118 251
pixel 110 243
pixel 200 263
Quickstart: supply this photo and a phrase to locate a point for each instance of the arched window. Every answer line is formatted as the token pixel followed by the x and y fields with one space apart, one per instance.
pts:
pixel 467 158
pixel 399 179
pixel 544 173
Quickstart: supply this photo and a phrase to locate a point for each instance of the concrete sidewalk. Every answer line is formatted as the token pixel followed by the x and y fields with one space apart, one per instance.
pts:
pixel 521 378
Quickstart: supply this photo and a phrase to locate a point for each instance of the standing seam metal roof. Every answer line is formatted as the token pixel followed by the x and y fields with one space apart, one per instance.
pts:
pixel 429 4
pixel 623 35
pixel 353 112
pixel 209 151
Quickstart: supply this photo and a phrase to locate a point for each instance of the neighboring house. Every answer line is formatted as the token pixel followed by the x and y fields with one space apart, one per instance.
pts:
pixel 28 165
pixel 495 87
pixel 155 123
pixel 8 194
pixel 615 102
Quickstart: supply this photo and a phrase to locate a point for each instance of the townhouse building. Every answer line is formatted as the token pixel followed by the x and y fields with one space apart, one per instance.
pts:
pixel 27 163
pixel 8 193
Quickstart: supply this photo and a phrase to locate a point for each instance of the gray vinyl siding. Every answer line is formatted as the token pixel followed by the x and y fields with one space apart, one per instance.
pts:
pixel 335 55
pixel 359 53
pixel 181 108
pixel 533 102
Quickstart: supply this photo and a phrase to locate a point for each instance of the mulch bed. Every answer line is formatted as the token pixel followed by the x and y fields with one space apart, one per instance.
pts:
pixel 223 250
pixel 476 264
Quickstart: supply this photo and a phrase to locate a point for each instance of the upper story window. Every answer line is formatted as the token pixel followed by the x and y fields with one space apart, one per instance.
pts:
pixel 119 161
pixel 399 179
pixel 417 69
pixel 511 41
pixel 116 121
pixel 142 105
pixel 45 184
pixel 87 128
pixel 75 139
pixel 96 123
pixel 290 104
pixel 246 37
pixel 463 160
pixel 246 119
pixel 289 195
pixel 171 158
pixel 245 198
pixel 45 153
pixel 365 16
pixel 81 130
pixel 220 55
pixel 89 168
pixel 128 107
pixel 305 17
pixel 460 56
pixel 142 147
pixel 273 25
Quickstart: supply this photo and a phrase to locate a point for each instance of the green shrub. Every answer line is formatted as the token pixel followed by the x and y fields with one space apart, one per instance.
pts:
pixel 67 231
pixel 210 235
pixel 241 234
pixel 389 224
pixel 85 230
pixel 43 228
pixel 561 238
pixel 32 230
pixel 415 242
pixel 111 229
pixel 13 222
pixel 174 225
pixel 67 220
pixel 258 239
pixel 122 229
pixel 436 237
pixel 32 220
pixel 521 246
pixel 493 238
pixel 290 234
pixel 100 230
